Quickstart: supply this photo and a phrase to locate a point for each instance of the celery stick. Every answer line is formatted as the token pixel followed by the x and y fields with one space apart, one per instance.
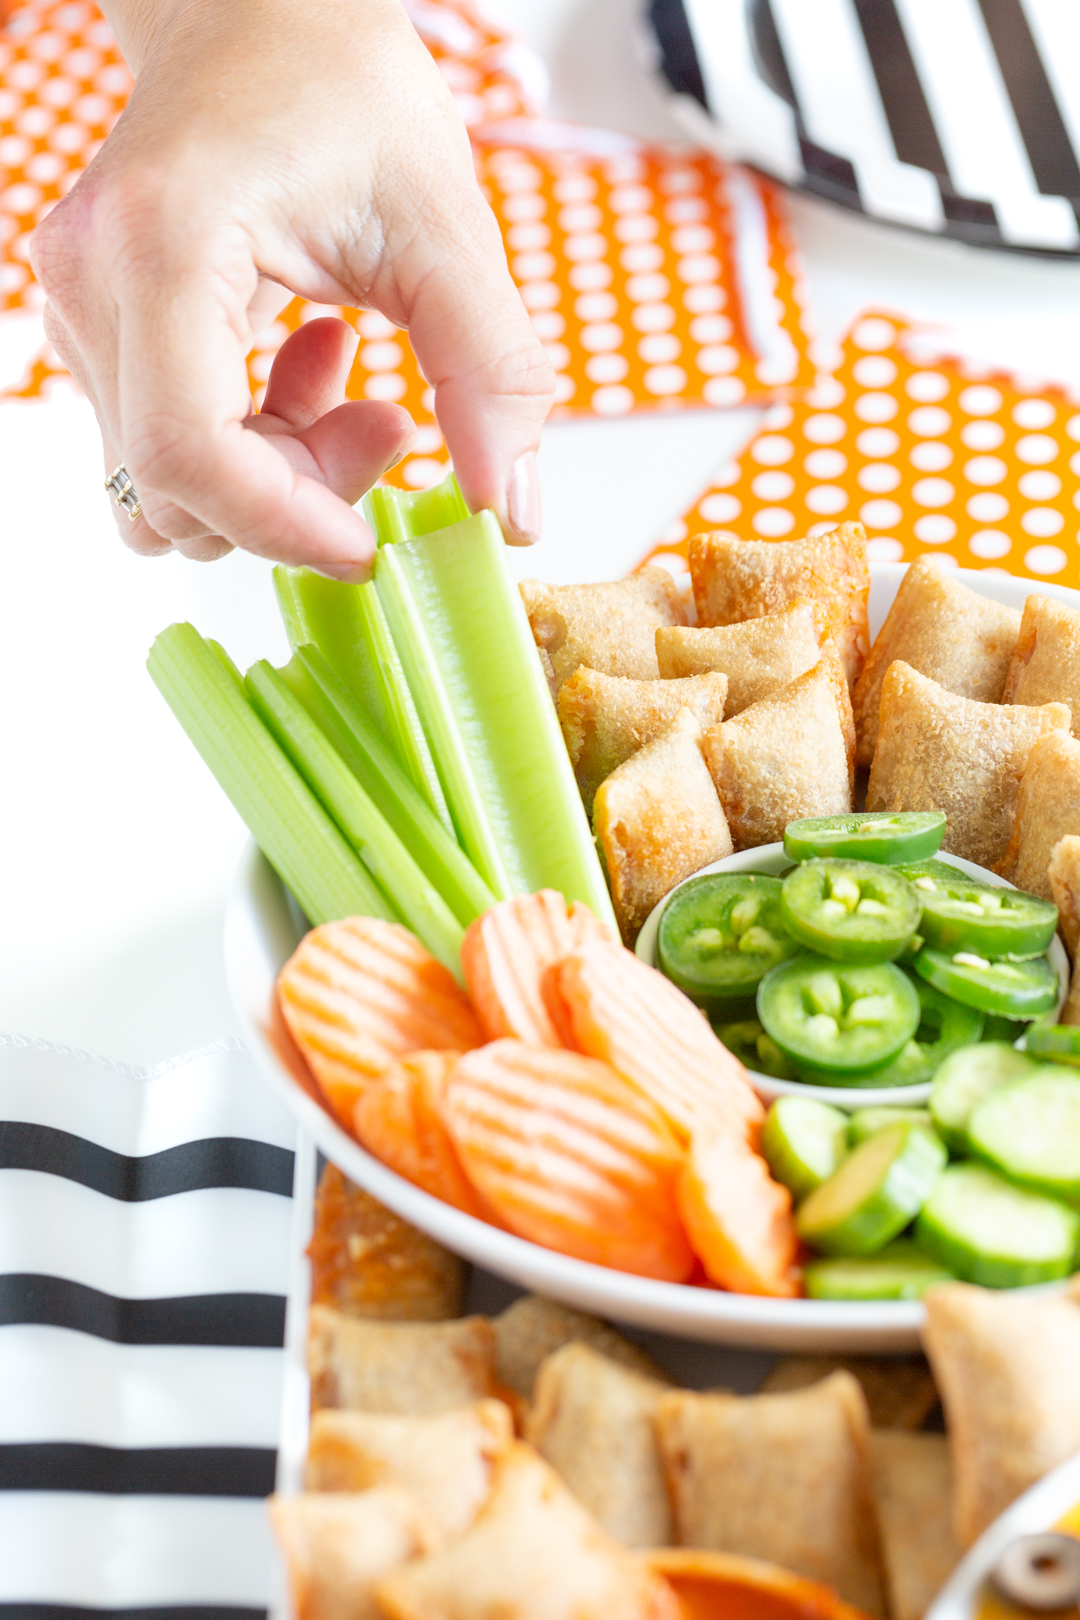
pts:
pixel 292 829
pixel 310 678
pixel 397 514
pixel 375 841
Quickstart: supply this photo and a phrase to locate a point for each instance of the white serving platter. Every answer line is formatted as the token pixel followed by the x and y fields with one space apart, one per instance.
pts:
pixel 263 927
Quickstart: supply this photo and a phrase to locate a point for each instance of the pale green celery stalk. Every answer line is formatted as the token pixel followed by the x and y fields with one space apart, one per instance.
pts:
pixel 347 624
pixel 458 621
pixel 352 734
pixel 367 829
pixel 205 692
pixel 398 514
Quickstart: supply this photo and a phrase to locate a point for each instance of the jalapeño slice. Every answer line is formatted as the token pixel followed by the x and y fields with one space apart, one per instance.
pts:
pixel 1014 989
pixel 1055 1043
pixel 838 1018
pixel 961 914
pixel 719 934
pixel 750 1044
pixel 851 911
pixel 886 837
pixel 944 1027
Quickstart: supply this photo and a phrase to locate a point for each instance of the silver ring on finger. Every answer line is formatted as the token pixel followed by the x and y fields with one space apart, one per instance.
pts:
pixel 123 492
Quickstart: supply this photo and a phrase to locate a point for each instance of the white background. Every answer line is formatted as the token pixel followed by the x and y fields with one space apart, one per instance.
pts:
pixel 117 846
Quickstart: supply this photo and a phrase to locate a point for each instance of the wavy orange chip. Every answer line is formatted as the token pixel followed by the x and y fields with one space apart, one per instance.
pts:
pixel 398 1117
pixel 738 1218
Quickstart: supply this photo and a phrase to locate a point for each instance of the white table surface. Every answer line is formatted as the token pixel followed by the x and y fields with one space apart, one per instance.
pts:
pixel 117 845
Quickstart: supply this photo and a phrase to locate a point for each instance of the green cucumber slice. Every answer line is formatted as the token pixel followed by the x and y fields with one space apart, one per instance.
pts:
pixel 898 1271
pixel 803 1142
pixel 964 1079
pixel 866 1122
pixel 1054 1043
pixel 874 1194
pixel 1029 1129
pixel 886 837
pixel 986 1231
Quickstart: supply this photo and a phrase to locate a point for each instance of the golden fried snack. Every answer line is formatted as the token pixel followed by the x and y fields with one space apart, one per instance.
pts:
pixel 784 757
pixel 1063 873
pixel 758 656
pixel 913 1494
pixel 533 1553
pixel 592 1420
pixel 533 1328
pixel 745 579
pixel 1045 666
pixel 610 627
pixel 411 1368
pixel 1006 1366
pixel 367 1261
pixel 446 1461
pixel 900 1394
pixel 937 751
pixel 337 1547
pixel 1047 809
pixel 658 819
pixel 944 630
pixel 785 1478
pixel 607 718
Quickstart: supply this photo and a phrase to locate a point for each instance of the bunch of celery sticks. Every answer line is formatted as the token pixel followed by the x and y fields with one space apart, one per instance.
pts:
pixel 407 762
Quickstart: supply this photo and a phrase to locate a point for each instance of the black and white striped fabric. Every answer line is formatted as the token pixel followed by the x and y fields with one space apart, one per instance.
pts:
pixel 960 117
pixel 145 1250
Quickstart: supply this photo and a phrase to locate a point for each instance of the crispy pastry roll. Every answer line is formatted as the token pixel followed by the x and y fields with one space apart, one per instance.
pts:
pixel 410 1368
pixel 1047 809
pixel 745 579
pixel 899 1393
pixel 784 757
pixel 446 1461
pixel 913 1495
pixel 337 1547
pixel 592 1420
pixel 610 627
pixel 606 718
pixel 1007 1370
pixel 758 656
pixel 1045 666
pixel 658 819
pixel 785 1478
pixel 533 1553
pixel 937 751
pixel 953 635
pixel 367 1261
pixel 1064 875
pixel 533 1328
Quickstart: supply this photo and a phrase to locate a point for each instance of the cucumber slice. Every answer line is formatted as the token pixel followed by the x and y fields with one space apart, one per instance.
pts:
pixel 1029 1129
pixel 989 1232
pixel 1054 1043
pixel 964 1079
pixel 868 1121
pixel 874 1194
pixel 803 1142
pixel 898 1271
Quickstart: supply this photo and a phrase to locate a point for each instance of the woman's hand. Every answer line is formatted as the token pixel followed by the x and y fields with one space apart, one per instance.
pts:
pixel 269 149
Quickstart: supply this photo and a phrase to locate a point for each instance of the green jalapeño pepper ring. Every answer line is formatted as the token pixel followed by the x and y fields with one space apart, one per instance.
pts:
pixel 886 837
pixel 851 911
pixel 719 934
pixel 1014 989
pixel 944 1026
pixel 839 1018
pixel 961 914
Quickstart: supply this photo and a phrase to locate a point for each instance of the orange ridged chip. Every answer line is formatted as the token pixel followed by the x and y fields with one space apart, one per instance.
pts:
pixel 399 1118
pixel 507 953
pixel 738 1218
pixel 570 1156
pixel 361 993
pixel 628 1015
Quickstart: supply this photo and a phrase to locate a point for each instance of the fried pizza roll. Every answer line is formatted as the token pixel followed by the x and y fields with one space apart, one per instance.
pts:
pixel 913 1495
pixel 1047 809
pixel 899 1393
pixel 1045 666
pixel 758 656
pixel 607 718
pixel 785 1478
pixel 592 1420
pixel 445 1461
pixel 410 1368
pixel 784 757
pixel 745 579
pixel 658 819
pixel 1006 1366
pixel 937 751
pixel 367 1261
pixel 533 1553
pixel 533 1328
pixel 953 635
pixel 1064 874
pixel 611 627
pixel 337 1547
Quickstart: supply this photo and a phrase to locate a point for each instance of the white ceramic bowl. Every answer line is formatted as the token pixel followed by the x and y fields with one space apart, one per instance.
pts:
pixel 771 858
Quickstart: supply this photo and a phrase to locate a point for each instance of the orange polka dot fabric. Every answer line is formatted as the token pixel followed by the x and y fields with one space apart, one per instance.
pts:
pixel 489 76
pixel 931 452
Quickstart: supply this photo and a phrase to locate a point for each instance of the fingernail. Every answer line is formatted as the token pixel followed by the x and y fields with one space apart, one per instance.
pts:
pixel 523 501
pixel 343 573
